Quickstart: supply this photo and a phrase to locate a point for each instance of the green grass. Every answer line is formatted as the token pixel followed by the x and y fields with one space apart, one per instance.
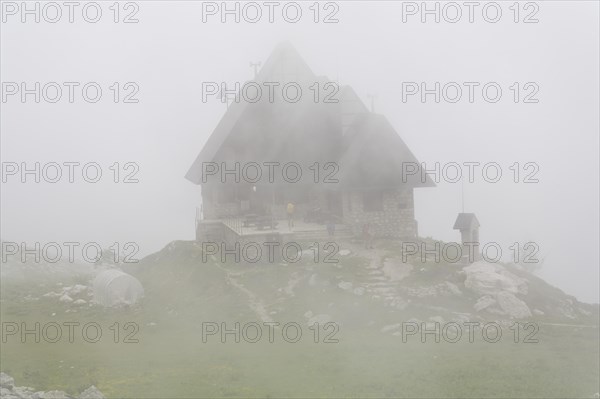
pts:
pixel 170 359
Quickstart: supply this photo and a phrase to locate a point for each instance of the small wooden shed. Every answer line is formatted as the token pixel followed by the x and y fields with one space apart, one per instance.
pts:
pixel 468 225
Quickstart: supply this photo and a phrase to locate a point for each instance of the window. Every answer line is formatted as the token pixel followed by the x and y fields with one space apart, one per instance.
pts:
pixel 373 201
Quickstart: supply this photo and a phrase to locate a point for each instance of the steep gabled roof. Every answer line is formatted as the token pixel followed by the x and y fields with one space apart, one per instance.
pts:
pixel 374 156
pixel 283 65
pixel 367 149
pixel 466 221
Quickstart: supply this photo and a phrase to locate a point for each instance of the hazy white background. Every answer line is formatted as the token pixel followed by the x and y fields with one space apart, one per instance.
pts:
pixel 170 52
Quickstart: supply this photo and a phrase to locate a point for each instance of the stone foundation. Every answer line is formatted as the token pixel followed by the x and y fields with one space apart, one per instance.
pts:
pixel 396 219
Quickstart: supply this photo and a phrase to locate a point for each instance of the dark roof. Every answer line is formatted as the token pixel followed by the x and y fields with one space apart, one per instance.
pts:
pixel 283 65
pixel 466 221
pixel 374 156
pixel 367 149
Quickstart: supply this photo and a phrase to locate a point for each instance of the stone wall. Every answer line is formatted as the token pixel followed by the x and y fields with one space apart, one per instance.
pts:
pixel 395 220
pixel 210 231
pixel 227 240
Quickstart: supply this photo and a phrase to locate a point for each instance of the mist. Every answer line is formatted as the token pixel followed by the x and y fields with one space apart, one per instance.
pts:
pixel 170 52
pixel 154 116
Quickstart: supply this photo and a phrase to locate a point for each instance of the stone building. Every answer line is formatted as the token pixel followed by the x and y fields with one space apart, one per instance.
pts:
pixel 354 165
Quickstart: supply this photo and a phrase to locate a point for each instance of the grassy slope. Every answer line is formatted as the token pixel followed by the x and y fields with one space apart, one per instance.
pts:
pixel 171 360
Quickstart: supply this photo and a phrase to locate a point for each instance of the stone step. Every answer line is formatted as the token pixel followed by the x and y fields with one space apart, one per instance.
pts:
pixel 383 284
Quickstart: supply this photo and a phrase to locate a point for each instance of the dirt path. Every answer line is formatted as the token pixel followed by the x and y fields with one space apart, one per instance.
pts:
pixel 254 302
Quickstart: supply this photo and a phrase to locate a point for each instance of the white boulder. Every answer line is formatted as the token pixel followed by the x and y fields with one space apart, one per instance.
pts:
pixel 6 381
pixel 484 302
pixel 489 279
pixel 512 305
pixel 65 299
pixel 91 393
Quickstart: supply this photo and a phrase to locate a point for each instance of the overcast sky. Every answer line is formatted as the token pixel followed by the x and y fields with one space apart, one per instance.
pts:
pixel 171 51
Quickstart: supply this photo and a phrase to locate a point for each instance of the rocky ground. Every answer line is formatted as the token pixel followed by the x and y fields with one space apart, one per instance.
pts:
pixel 377 278
pixel 8 390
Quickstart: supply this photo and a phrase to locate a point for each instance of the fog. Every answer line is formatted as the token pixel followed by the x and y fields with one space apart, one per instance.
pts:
pixel 170 52
pixel 506 92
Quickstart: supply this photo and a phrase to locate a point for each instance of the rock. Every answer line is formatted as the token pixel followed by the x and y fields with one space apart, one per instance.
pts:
pixel 425 291
pixel 565 309
pixel 453 288
pixel 584 312
pixel 79 302
pixel 396 270
pixel 490 279
pixel 76 289
pixel 50 395
pixel 23 392
pixel 91 393
pixel 66 299
pixel 484 302
pixel 6 381
pixel 8 394
pixel 320 319
pixel 512 305
pixel 345 285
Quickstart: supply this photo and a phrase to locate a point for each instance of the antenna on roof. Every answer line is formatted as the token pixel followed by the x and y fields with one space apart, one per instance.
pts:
pixel 223 96
pixel 372 97
pixel 256 65
pixel 462 182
